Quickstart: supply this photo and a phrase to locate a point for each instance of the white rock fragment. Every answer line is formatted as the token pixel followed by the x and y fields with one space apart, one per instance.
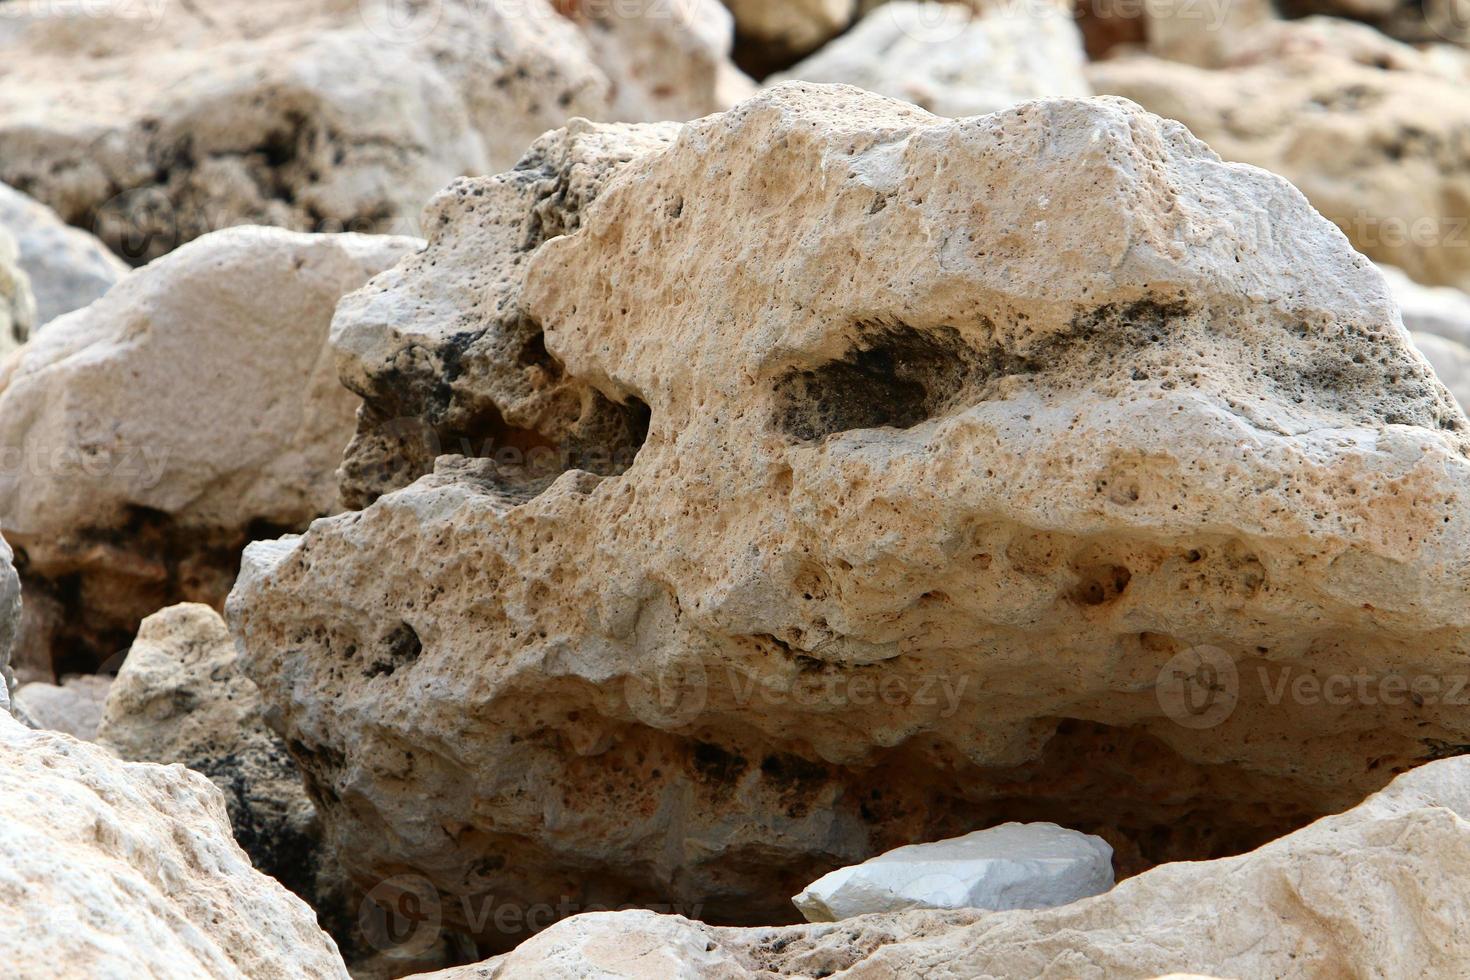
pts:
pixel 17 304
pixel 1013 866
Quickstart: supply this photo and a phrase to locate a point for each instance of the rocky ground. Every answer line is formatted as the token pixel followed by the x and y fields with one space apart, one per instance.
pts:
pixel 557 489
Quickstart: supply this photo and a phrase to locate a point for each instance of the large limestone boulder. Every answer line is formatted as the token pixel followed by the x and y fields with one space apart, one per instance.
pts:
pixel 789 29
pixel 999 469
pixel 1369 130
pixel 17 302
pixel 954 61
pixel 1013 866
pixel 1376 891
pixel 111 869
pixel 146 438
pixel 153 127
pixel 67 267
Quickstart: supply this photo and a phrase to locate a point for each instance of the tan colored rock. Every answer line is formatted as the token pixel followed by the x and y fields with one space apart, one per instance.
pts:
pixel 1415 21
pixel 435 378
pixel 972 444
pixel 324 116
pixel 17 302
pixel 112 869
pixel 73 707
pixel 792 27
pixel 1375 891
pixel 67 267
pixel 952 61
pixel 145 439
pixel 179 698
pixel 1376 144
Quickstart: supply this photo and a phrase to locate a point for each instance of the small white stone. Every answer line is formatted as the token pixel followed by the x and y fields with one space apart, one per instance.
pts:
pixel 1012 866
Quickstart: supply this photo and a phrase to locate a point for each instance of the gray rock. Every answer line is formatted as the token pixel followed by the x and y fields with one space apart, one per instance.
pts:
pixel 67 267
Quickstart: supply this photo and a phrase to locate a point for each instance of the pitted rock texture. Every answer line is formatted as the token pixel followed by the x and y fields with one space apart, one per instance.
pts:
pixel 145 439
pixel 67 267
pixel 17 302
pixel 967 440
pixel 152 127
pixel 113 869
pixel 1375 891
pixel 444 354
pixel 1377 135
pixel 956 62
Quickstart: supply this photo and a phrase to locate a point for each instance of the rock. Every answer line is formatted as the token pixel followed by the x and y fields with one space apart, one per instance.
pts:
pixel 1392 866
pixel 1440 311
pixel 324 116
pixel 789 29
pixel 179 698
pixel 665 60
pixel 10 611
pixel 1414 21
pixel 73 707
pixel 145 439
pixel 67 267
pixel 454 312
pixel 17 303
pixel 118 869
pixel 1012 866
pixel 1009 468
pixel 1375 144
pixel 1451 361
pixel 952 61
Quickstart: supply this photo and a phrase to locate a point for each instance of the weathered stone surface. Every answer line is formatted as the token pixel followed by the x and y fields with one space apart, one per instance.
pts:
pixel 970 442
pixel 324 116
pixel 73 707
pixel 1415 21
pixel 1371 131
pixel 1451 362
pixel 67 267
pixel 1376 891
pixel 17 302
pixel 1012 866
pixel 111 869
pixel 1437 310
pixel 442 351
pixel 956 62
pixel 145 439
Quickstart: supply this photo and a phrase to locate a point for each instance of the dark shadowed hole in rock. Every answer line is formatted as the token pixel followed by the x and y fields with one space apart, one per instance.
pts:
pixel 896 376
